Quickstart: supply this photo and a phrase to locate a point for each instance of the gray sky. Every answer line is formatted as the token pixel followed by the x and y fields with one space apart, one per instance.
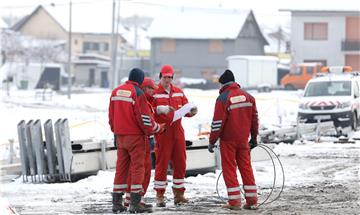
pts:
pixel 267 12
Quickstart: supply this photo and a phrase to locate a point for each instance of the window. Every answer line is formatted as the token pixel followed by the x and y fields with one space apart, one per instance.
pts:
pixel 106 48
pixel 328 88
pixel 168 45
pixel 216 46
pixel 309 70
pixel 353 60
pixel 94 46
pixel 315 31
pixel 86 46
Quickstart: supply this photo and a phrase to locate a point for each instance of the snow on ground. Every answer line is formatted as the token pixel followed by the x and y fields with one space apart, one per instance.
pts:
pixel 320 178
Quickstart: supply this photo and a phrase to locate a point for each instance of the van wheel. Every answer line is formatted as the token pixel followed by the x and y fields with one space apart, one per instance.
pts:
pixel 289 87
pixel 354 121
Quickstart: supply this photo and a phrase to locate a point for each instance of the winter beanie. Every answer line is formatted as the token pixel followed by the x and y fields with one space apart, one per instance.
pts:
pixel 226 77
pixel 136 75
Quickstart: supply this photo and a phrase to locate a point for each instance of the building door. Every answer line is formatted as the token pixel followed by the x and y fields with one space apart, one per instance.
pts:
pixel 353 60
pixel 91 77
pixel 104 79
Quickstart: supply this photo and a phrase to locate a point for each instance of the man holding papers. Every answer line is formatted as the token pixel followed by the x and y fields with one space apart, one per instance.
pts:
pixel 170 145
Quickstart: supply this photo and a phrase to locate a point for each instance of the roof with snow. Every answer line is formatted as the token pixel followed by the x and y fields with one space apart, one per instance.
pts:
pixel 196 23
pixel 84 22
pixel 3 24
pixel 85 17
pixel 321 7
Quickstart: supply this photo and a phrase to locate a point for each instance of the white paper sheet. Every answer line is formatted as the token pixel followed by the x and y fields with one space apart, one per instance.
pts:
pixel 183 111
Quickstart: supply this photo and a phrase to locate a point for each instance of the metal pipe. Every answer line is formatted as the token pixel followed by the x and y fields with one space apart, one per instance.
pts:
pixel 69 54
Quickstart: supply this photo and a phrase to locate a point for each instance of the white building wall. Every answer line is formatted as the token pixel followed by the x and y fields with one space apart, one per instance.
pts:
pixel 329 50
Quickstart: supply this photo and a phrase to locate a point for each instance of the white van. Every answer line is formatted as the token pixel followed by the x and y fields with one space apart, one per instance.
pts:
pixel 332 97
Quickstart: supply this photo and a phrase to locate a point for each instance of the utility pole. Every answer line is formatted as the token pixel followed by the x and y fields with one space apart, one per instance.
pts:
pixel 114 39
pixel 116 45
pixel 136 35
pixel 69 54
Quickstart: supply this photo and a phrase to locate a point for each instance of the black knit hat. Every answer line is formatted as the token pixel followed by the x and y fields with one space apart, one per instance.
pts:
pixel 136 75
pixel 226 77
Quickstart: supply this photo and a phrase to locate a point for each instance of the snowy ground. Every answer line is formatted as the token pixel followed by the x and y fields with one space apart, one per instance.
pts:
pixel 320 178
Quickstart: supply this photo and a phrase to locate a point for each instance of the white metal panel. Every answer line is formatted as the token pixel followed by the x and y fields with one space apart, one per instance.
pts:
pixel 239 67
pixel 252 71
pixel 200 159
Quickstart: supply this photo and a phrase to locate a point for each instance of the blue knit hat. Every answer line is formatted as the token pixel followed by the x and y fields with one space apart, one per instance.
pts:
pixel 136 75
pixel 226 77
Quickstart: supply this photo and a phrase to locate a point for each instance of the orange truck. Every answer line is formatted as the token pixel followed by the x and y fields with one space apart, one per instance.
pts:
pixel 299 75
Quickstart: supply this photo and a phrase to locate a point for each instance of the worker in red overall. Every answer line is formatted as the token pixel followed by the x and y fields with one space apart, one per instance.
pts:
pixel 130 120
pixel 235 117
pixel 170 145
pixel 148 86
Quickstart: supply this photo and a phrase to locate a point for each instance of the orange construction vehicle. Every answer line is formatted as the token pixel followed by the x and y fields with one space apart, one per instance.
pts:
pixel 299 75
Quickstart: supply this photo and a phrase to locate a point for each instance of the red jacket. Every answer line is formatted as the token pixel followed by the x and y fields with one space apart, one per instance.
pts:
pixel 235 116
pixel 129 113
pixel 176 99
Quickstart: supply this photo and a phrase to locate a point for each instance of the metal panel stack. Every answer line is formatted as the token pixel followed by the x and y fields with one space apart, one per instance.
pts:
pixel 40 159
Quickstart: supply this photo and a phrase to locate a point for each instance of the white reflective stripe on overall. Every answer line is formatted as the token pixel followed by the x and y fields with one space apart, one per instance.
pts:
pixel 157 96
pixel 160 184
pixel 250 187
pixel 120 186
pixel 234 196
pixel 250 194
pixel 233 189
pixel 121 98
pixel 178 185
pixel 240 105
pixel 179 180
pixel 136 186
pixel 156 129
pixel 177 95
pixel 216 125
pixel 146 120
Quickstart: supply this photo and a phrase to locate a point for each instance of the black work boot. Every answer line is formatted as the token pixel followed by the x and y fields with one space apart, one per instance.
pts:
pixel 136 206
pixel 117 203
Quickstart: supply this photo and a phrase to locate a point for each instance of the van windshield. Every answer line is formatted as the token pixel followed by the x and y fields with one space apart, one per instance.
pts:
pixel 328 88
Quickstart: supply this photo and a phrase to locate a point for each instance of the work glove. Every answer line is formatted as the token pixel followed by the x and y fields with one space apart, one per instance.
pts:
pixel 211 148
pixel 252 143
pixel 193 111
pixel 152 143
pixel 164 109
pixel 162 128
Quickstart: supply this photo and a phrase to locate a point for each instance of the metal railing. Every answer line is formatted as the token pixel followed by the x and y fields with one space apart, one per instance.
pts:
pixel 350 45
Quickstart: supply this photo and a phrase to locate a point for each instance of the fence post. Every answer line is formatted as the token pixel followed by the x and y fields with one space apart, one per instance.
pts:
pixel 30 151
pixel 59 153
pixel 25 171
pixel 66 148
pixel 38 144
pixel 50 149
